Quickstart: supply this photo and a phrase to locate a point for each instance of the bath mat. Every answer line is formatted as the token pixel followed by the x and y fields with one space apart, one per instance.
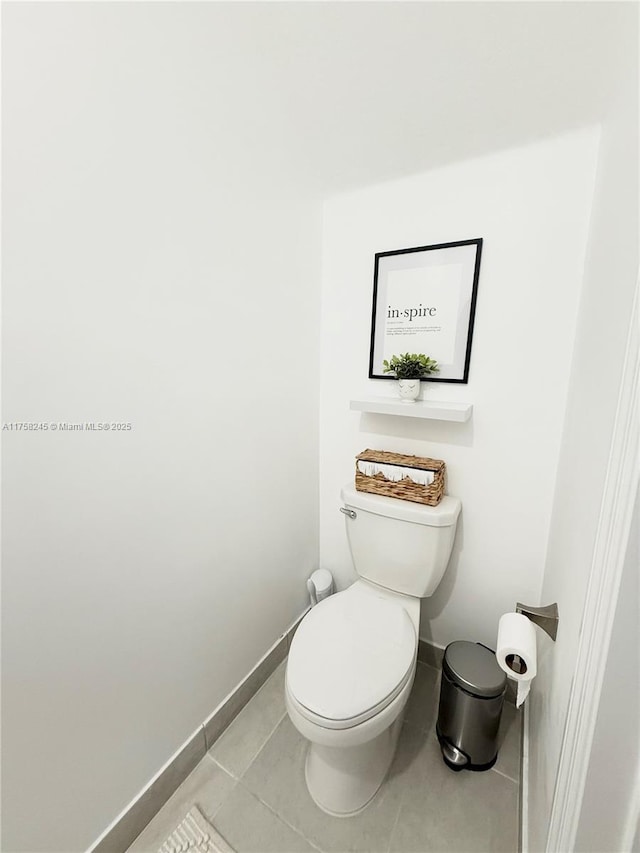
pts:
pixel 195 835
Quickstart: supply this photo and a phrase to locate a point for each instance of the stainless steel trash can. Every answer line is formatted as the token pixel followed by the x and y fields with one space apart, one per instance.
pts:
pixel 471 699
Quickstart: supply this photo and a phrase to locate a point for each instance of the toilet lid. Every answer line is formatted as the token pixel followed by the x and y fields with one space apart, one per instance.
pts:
pixel 350 656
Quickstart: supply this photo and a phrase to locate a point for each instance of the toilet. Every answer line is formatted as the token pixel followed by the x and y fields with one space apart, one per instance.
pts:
pixel 353 658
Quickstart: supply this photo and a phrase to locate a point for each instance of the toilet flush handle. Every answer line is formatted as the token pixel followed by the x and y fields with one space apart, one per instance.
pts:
pixel 350 512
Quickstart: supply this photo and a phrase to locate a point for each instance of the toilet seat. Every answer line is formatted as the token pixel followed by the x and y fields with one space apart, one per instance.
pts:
pixel 349 659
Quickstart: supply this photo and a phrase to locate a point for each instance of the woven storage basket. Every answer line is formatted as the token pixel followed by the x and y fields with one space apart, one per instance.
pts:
pixel 404 489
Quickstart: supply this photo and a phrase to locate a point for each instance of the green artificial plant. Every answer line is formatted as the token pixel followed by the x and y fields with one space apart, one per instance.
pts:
pixel 410 366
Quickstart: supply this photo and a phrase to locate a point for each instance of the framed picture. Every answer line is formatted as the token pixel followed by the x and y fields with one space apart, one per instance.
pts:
pixel 424 301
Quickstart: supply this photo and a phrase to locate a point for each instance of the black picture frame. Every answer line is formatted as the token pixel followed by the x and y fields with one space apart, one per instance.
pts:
pixel 440 283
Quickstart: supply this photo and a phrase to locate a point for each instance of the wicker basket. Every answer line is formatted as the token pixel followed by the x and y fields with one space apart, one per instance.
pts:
pixel 405 489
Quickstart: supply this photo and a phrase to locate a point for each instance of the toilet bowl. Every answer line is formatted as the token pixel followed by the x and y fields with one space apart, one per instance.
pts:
pixel 349 674
pixel 352 660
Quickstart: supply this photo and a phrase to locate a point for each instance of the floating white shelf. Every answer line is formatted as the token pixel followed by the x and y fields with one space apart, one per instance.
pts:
pixel 437 411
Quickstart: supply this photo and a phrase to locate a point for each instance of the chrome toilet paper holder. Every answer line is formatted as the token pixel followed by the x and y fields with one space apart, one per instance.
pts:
pixel 546 617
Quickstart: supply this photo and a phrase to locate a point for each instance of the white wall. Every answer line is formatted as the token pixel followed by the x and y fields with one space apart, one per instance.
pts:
pixel 605 309
pixel 531 206
pixel 160 267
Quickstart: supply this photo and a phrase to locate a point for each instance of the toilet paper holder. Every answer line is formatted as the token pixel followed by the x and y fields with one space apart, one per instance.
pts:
pixel 546 617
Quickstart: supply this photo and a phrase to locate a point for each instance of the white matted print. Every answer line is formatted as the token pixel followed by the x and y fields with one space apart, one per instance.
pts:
pixel 424 302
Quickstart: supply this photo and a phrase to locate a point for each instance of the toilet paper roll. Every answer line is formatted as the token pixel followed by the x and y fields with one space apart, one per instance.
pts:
pixel 516 651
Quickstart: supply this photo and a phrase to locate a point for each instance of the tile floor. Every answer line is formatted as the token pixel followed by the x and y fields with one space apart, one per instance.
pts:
pixel 251 787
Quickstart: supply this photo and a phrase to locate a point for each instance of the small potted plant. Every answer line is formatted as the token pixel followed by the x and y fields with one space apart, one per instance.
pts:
pixel 409 369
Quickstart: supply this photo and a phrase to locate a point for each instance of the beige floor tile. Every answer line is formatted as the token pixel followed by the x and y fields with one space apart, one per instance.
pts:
pixel 207 787
pixel 422 708
pixel 236 748
pixel 250 827
pixel 277 778
pixel 423 806
pixel 447 811
pixel 509 742
pixel 406 764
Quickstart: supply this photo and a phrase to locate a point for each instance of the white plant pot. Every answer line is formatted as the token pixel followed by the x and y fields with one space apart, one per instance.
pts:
pixel 409 390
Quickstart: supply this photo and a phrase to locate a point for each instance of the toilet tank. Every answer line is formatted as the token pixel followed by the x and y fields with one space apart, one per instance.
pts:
pixel 400 545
